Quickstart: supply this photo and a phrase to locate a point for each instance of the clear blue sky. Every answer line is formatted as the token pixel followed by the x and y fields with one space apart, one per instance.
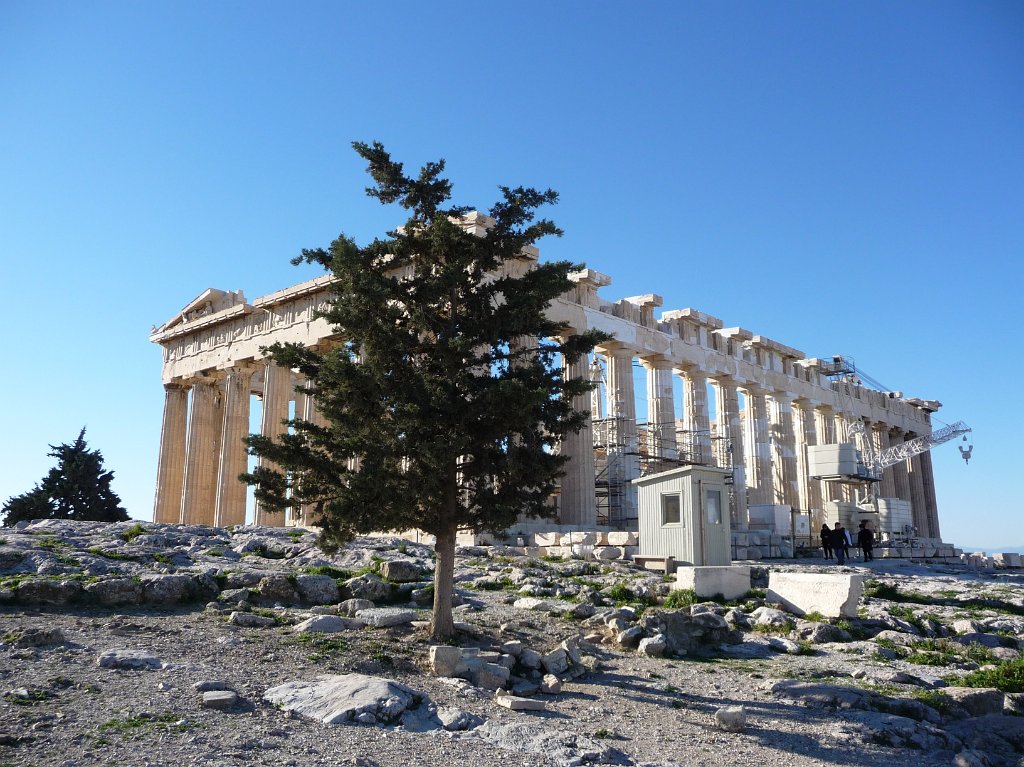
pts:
pixel 843 177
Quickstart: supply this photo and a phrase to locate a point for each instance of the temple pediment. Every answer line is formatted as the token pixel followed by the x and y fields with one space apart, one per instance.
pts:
pixel 211 301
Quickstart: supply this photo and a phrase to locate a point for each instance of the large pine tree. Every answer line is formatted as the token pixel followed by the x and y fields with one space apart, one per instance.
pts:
pixel 76 488
pixel 444 396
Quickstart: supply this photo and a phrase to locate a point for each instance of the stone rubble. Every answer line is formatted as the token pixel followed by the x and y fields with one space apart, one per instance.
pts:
pixel 178 631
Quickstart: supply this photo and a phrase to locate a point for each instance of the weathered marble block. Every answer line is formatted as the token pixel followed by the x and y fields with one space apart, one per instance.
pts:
pixel 832 595
pixel 732 581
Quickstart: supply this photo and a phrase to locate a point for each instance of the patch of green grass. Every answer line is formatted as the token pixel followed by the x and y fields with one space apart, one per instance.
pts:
pixel 164 559
pixel 266 553
pixel 215 552
pixel 814 617
pixel 132 533
pixel 502 584
pixel 941 652
pixel 50 542
pixel 31 698
pixel 295 534
pixel 1008 677
pixel 132 726
pixel 935 699
pixel 96 551
pixel 323 647
pixel 337 573
pixel 604 733
pixel 780 630
pixel 266 613
pixel 680 598
pixel 552 558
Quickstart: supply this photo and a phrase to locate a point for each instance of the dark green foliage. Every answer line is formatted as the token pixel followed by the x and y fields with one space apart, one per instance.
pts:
pixel 76 488
pixel 1008 677
pixel 445 399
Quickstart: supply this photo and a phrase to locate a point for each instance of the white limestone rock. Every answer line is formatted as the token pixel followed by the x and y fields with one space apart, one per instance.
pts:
pixel 384 617
pixel 402 571
pixel 339 699
pixel 455 719
pixel 327 624
pixel 833 595
pixel 251 620
pixel 220 699
pixel 317 589
pixel 515 703
pixel 132 660
pixel 444 660
pixel 652 646
pixel 731 718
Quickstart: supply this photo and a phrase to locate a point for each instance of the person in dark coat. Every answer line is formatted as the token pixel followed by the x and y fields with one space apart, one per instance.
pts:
pixel 826 541
pixel 839 543
pixel 866 540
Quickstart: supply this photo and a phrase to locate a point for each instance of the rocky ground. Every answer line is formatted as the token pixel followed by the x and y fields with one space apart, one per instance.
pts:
pixel 145 644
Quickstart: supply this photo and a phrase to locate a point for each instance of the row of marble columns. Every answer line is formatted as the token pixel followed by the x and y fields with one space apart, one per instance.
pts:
pixel 765 442
pixel 207 418
pixel 202 451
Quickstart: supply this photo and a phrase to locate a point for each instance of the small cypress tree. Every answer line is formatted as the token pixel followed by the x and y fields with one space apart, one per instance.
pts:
pixel 444 397
pixel 76 488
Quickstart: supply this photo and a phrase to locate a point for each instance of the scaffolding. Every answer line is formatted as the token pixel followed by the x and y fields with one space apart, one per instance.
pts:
pixel 619 457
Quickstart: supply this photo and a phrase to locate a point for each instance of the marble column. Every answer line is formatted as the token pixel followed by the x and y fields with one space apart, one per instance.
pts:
pixel 757 442
pixel 199 496
pixel 785 485
pixel 919 506
pixel 730 429
pixel 805 428
pixel 661 415
pixel 231 493
pixel 277 393
pixel 887 487
pixel 696 422
pixel 170 472
pixel 624 460
pixel 577 501
pixel 931 506
pixel 900 478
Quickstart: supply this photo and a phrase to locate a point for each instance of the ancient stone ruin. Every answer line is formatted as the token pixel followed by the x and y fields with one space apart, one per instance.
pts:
pixel 751 405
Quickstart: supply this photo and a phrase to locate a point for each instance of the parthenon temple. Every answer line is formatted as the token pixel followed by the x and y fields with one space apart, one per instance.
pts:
pixel 748 403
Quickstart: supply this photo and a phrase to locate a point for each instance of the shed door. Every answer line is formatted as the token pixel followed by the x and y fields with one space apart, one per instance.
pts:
pixel 715 536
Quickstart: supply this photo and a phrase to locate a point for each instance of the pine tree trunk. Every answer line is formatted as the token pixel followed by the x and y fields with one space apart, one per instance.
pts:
pixel 442 627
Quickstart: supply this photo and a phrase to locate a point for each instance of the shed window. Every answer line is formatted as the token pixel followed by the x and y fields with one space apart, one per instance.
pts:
pixel 670 509
pixel 713 504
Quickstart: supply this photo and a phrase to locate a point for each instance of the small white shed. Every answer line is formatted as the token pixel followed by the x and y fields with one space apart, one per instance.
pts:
pixel 684 514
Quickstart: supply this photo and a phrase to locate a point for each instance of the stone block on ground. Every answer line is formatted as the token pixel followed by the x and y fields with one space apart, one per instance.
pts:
pixel 219 699
pixel 327 624
pixel 384 617
pixel 317 589
pixel 732 582
pixel 491 676
pixel 833 595
pixel 444 660
pixel 402 571
pixel 731 718
pixel 337 699
pixel 515 703
pixel 132 660
pixel 620 538
pixel 251 620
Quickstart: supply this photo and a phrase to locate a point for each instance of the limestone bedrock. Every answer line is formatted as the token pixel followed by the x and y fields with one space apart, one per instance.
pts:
pixel 732 581
pixel 832 595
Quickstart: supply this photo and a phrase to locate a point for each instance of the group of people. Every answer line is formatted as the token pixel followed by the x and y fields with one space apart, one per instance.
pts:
pixel 836 542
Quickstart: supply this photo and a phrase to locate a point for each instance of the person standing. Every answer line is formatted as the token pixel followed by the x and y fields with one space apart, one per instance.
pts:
pixel 866 541
pixel 826 541
pixel 839 543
